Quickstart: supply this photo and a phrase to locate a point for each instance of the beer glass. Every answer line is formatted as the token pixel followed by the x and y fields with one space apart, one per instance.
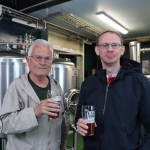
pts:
pixel 55 95
pixel 88 114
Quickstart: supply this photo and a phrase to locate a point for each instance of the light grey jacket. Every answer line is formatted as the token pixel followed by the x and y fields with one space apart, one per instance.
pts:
pixel 24 130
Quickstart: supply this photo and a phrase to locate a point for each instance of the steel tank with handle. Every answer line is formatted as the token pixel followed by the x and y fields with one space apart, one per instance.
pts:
pixel 12 65
pixel 65 72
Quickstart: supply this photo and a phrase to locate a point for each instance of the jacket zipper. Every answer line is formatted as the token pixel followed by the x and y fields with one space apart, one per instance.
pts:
pixel 103 113
pixel 103 110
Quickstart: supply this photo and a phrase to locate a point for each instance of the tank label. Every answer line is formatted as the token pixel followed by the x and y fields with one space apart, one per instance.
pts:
pixel 74 72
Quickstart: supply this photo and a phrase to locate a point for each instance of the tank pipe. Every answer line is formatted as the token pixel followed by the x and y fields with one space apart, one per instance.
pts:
pixel 74 136
pixel 75 140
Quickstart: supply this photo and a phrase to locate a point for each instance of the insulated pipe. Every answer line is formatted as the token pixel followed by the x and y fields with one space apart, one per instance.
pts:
pixel 145 50
pixel 135 51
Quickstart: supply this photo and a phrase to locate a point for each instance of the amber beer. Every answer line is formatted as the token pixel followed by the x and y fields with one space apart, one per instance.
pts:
pixel 88 114
pixel 90 130
pixel 54 117
pixel 58 99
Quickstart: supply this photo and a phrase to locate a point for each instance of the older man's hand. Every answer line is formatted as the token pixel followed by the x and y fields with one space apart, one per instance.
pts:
pixel 47 107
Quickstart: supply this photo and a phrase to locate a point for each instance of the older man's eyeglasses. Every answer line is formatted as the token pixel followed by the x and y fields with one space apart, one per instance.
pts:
pixel 39 58
pixel 106 45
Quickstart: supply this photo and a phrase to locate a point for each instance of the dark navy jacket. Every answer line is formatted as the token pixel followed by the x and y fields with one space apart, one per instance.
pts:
pixel 121 108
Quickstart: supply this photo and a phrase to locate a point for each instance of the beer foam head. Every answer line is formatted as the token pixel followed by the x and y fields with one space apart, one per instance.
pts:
pixel 90 121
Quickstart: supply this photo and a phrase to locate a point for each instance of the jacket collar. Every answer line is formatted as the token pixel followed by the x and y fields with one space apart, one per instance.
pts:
pixel 127 67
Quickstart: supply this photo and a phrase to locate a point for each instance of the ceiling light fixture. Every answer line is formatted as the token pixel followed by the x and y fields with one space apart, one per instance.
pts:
pixel 110 22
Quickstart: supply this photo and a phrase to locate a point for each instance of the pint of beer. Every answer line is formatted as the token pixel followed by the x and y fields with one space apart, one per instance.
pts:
pixel 55 95
pixel 88 114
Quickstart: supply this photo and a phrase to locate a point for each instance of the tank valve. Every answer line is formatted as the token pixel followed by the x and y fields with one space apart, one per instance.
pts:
pixel 73 126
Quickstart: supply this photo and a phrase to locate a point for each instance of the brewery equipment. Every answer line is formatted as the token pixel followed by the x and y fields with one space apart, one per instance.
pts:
pixel 64 71
pixel 135 53
pixel 12 65
pixel 67 75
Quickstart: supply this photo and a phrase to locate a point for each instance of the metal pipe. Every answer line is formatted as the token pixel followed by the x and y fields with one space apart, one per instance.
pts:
pixel 75 140
pixel 144 50
pixel 28 44
pixel 31 24
pixel 73 126
pixel 3 142
pixel 70 53
pixel 8 9
pixel 31 19
pixel 83 62
pixel 45 2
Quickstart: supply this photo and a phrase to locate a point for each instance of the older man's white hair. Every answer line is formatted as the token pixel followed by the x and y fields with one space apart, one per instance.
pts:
pixel 40 42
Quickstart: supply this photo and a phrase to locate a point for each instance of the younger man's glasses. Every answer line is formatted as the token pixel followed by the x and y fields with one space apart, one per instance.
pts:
pixel 106 45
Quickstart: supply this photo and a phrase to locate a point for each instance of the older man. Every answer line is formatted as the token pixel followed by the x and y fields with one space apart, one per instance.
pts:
pixel 25 109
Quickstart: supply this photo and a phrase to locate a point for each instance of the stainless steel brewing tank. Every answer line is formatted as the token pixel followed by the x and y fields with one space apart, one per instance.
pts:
pixel 135 51
pixel 12 65
pixel 65 73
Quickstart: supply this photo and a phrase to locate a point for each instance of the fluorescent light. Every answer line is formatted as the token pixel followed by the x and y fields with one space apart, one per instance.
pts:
pixel 110 22
pixel 26 23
